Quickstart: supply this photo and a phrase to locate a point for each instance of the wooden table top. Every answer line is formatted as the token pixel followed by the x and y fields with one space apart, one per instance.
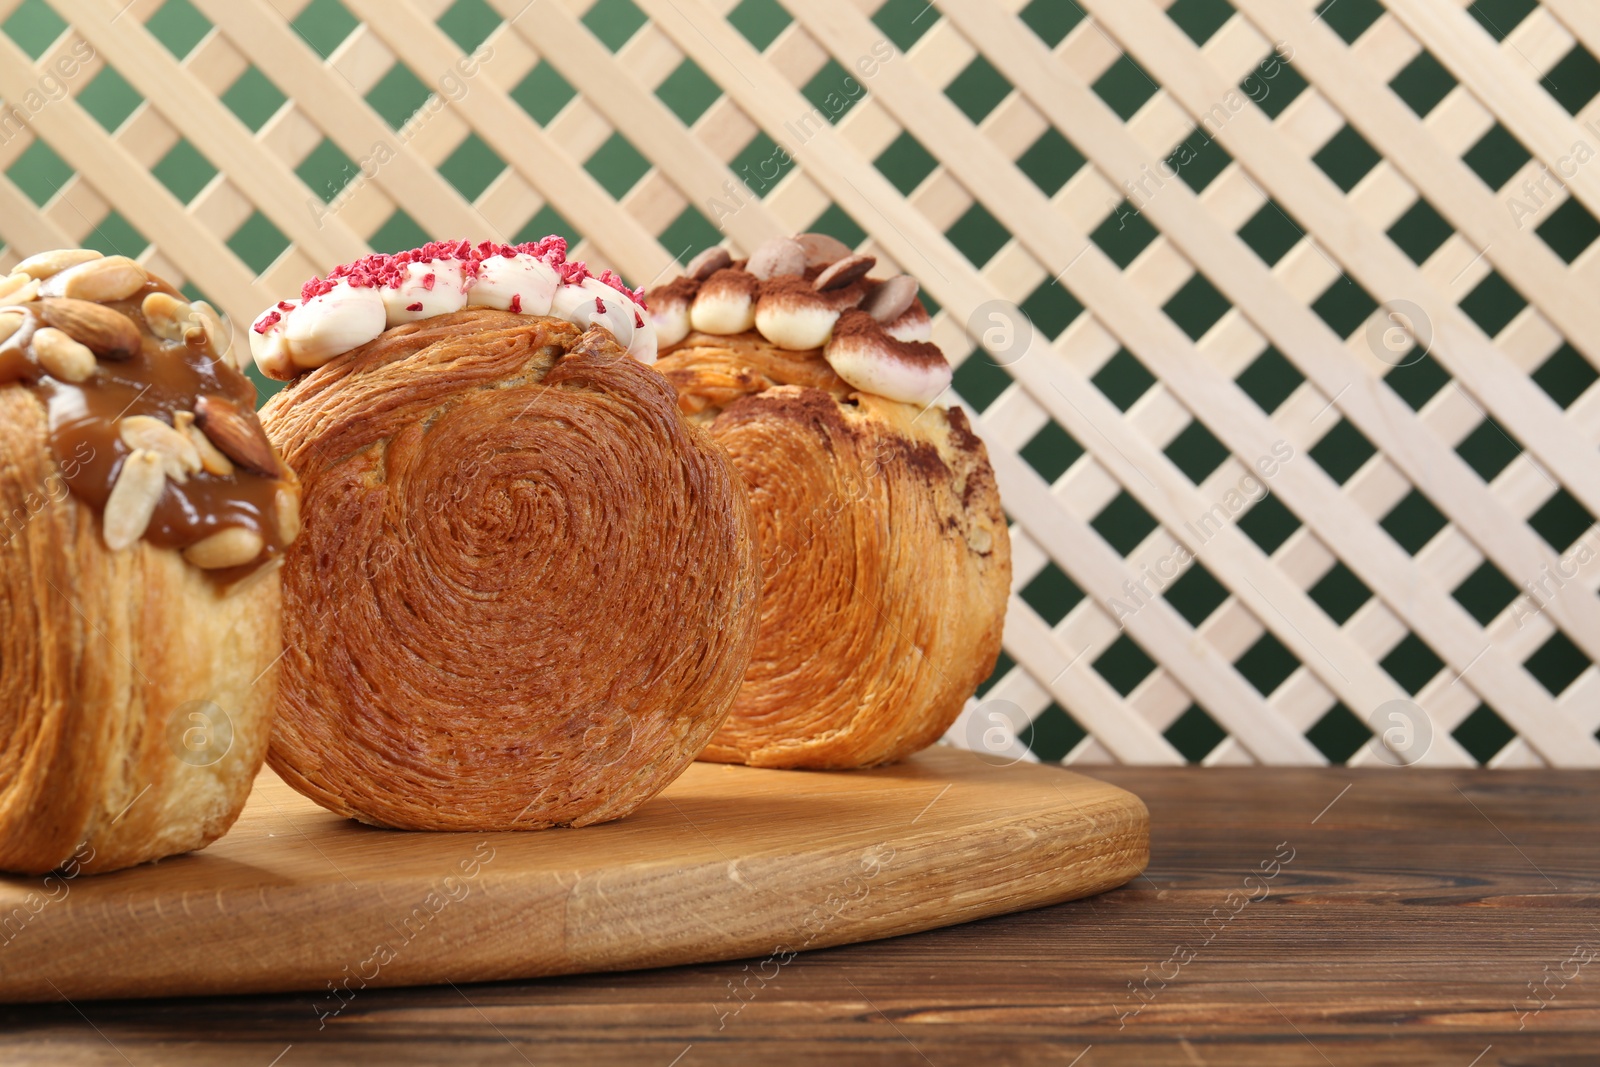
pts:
pixel 1316 917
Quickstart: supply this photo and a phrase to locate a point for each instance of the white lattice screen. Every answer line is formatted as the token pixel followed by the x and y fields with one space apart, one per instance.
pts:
pixel 1297 430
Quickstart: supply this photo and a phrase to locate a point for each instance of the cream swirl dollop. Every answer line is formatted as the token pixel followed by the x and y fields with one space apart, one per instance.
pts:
pixel 358 301
pixel 812 292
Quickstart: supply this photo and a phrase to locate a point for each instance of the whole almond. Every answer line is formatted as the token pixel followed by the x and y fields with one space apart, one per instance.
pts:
pixel 821 249
pixel 891 299
pixel 231 547
pixel 153 435
pixel 112 278
pixel 133 499
pixel 777 257
pixel 62 357
pixel 844 272
pixel 237 433
pixel 10 323
pixel 708 263
pixel 212 461
pixel 108 332
pixel 55 261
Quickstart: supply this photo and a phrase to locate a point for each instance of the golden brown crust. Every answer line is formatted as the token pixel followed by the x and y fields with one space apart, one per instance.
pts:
pixel 885 556
pixel 106 657
pixel 524 594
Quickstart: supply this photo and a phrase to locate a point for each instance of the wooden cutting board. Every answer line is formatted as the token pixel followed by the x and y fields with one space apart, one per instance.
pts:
pixel 728 862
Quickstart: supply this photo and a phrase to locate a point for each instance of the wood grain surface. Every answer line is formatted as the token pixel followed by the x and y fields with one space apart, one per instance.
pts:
pixel 1407 928
pixel 729 861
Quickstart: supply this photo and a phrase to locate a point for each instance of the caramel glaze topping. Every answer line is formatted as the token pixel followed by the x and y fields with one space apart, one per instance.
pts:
pixel 158 378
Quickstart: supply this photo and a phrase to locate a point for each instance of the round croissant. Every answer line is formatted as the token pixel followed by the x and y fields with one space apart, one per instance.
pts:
pixel 139 665
pixel 526 589
pixel 885 556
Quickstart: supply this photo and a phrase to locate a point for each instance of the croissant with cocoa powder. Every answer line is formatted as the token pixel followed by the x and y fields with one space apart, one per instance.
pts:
pixel 885 555
pixel 144 516
pixel 526 589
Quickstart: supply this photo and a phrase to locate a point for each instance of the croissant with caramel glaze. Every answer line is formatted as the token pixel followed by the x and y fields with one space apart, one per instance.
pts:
pixel 885 554
pixel 526 587
pixel 144 513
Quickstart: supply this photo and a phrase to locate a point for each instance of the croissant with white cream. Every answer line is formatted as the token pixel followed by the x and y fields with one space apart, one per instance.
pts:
pixel 885 555
pixel 526 589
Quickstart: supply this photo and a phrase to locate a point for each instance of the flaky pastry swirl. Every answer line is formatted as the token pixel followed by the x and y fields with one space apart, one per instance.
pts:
pixel 526 588
pixel 885 556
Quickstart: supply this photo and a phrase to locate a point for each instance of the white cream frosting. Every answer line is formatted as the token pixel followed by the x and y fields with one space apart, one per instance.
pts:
pixel 417 298
pixel 307 335
pixel 527 280
pixel 333 323
pixel 795 326
pixel 594 303
pixel 269 345
pixel 872 369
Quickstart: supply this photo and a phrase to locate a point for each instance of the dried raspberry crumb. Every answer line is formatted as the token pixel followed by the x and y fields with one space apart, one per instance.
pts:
pixel 267 321
pixel 284 305
pixel 516 303
pixel 638 321
pixel 414 307
pixel 599 306
pixel 428 280
pixel 380 270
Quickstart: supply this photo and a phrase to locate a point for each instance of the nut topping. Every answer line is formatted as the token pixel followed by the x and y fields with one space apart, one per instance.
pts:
pixel 167 449
pixel 46 264
pixel 133 499
pixel 232 547
pixel 14 283
pixel 288 501
pixel 168 316
pixel 62 357
pixel 24 291
pixel 112 278
pixel 212 461
pixel 10 323
pixel 206 325
pixel 108 333
pixel 237 433
pixel 175 449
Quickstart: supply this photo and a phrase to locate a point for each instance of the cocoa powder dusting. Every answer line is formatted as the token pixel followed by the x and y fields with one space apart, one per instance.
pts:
pixel 856 325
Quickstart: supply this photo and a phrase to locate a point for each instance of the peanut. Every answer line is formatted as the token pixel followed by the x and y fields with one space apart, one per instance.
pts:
pixel 153 435
pixel 167 316
pixel 101 280
pixel 45 264
pixel 24 292
pixel 288 501
pixel 63 357
pixel 212 461
pixel 10 323
pixel 231 547
pixel 133 499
